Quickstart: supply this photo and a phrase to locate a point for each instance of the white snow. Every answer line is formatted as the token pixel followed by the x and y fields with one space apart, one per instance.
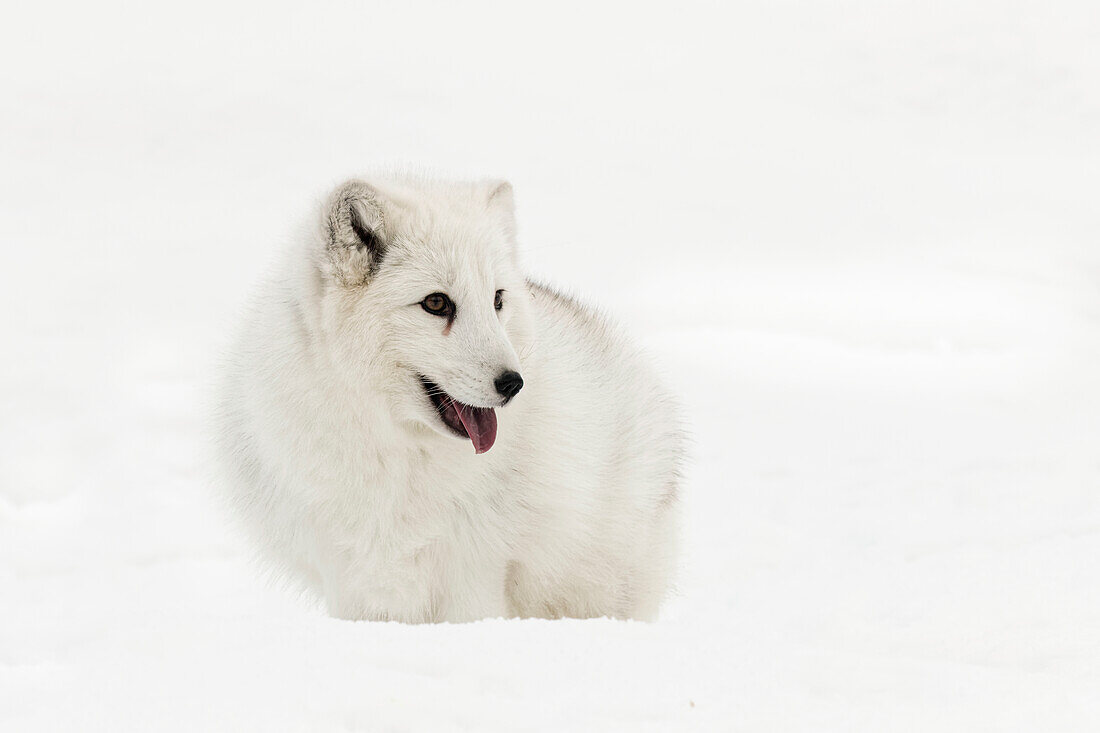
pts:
pixel 862 240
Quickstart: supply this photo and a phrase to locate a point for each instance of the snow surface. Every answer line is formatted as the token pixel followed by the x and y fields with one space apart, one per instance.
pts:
pixel 861 239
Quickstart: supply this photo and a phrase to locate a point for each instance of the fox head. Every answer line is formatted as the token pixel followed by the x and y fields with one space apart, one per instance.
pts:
pixel 423 299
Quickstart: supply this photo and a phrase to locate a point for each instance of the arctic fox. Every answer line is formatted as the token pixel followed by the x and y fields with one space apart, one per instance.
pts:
pixel 416 432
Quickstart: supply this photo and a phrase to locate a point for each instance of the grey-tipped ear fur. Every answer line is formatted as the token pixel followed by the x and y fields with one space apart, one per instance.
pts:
pixel 355 232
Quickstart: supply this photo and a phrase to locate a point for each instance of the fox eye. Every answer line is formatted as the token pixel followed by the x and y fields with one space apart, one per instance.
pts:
pixel 438 304
pixel 498 300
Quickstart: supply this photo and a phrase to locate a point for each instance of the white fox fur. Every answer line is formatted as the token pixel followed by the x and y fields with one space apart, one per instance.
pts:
pixel 344 473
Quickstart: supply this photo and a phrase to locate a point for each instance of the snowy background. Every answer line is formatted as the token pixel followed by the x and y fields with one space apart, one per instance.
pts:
pixel 861 239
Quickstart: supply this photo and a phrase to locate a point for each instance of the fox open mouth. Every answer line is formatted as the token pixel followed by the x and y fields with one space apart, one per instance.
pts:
pixel 478 424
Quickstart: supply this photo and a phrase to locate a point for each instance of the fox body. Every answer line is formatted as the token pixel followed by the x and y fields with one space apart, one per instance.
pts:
pixel 416 432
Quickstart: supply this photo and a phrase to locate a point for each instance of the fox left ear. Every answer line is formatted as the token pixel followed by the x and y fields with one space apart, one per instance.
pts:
pixel 499 200
pixel 355 232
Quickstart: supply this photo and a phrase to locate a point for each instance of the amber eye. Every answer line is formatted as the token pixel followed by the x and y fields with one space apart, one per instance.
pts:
pixel 498 301
pixel 438 304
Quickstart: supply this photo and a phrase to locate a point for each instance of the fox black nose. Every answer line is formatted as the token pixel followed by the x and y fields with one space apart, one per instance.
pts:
pixel 508 383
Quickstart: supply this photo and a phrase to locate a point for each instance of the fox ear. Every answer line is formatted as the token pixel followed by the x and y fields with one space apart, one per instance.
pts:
pixel 500 201
pixel 355 232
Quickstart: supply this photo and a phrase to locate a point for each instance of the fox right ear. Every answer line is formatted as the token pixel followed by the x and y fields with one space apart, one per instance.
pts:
pixel 355 232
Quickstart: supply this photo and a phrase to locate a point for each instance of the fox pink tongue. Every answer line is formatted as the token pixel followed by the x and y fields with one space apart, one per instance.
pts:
pixel 480 424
